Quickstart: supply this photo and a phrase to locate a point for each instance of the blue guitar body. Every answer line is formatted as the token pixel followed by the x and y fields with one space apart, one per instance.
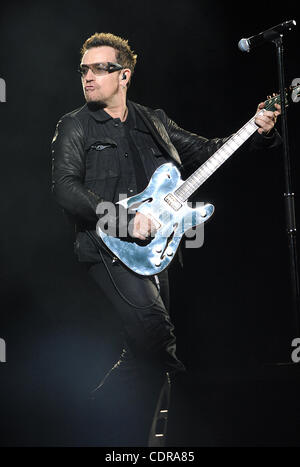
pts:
pixel 171 217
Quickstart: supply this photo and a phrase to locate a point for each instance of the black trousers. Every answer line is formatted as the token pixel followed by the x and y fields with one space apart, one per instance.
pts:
pixel 128 392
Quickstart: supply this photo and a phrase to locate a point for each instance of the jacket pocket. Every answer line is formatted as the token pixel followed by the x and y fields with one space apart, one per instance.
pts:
pixel 101 159
pixel 102 167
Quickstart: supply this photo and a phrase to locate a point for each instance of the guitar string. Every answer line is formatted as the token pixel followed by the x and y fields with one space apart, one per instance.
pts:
pixel 218 156
pixel 184 188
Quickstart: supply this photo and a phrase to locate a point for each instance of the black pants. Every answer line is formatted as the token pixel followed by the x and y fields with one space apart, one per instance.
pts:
pixel 132 386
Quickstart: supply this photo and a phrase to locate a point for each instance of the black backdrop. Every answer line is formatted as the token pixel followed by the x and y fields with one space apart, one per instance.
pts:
pixel 231 303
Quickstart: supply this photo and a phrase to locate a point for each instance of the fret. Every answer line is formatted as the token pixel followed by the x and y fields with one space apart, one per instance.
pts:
pixel 219 157
pixel 226 149
pixel 214 168
pixel 222 155
pixel 220 160
pixel 238 138
pixel 185 194
pixel 201 177
pixel 189 183
pixel 196 178
pixel 233 144
pixel 205 169
pixel 249 129
pixel 212 163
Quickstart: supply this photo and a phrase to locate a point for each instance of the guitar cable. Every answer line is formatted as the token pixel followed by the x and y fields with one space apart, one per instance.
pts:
pixel 99 247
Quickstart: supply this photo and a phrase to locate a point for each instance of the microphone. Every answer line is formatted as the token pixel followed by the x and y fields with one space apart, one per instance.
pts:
pixel 245 45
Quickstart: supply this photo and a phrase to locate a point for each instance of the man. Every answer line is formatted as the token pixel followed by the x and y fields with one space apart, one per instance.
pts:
pixel 108 147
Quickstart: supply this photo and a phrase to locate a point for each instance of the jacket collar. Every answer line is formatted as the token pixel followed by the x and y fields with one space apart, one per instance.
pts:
pixel 158 131
pixel 100 115
pixel 152 123
pixel 97 113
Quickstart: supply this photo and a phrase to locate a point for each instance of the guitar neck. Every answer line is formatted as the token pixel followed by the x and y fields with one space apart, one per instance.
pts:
pixel 195 180
pixel 192 184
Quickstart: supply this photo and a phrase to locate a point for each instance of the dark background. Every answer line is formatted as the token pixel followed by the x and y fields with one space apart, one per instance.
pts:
pixel 231 303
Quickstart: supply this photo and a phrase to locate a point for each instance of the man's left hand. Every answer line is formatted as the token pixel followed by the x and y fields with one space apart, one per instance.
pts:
pixel 267 121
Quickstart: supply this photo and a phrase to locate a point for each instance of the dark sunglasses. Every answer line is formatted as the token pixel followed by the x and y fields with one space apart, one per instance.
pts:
pixel 99 69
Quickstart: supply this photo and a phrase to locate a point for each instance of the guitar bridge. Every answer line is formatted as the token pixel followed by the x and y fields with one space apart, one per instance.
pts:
pixel 173 202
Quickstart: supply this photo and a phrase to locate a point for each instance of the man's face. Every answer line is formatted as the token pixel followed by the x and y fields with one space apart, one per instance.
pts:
pixel 102 89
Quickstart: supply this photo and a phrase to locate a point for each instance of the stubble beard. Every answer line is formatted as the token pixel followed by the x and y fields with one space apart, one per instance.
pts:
pixel 94 102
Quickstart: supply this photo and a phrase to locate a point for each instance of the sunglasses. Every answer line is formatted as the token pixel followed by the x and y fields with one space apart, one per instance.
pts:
pixel 99 69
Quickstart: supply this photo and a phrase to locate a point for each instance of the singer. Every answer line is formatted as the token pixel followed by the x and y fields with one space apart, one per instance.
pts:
pixel 108 147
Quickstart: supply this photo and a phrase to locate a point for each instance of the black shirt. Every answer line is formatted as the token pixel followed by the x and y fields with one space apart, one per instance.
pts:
pixel 134 155
pixel 120 156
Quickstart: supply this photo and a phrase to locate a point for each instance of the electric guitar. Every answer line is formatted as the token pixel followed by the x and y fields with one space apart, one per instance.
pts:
pixel 165 202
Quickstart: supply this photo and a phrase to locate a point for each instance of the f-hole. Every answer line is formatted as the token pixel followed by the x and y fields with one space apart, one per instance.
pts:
pixel 139 203
pixel 169 239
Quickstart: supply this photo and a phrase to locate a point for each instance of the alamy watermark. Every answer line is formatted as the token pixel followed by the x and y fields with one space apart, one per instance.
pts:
pixel 295 355
pixel 117 221
pixel 2 350
pixel 2 90
pixel 295 92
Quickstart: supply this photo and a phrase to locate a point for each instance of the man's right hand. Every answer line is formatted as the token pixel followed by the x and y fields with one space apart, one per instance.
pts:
pixel 143 227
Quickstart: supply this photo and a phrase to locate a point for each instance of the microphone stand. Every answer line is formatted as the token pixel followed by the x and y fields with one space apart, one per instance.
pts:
pixel 289 195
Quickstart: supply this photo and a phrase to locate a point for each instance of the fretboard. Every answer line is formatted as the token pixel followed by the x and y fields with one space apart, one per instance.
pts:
pixel 195 180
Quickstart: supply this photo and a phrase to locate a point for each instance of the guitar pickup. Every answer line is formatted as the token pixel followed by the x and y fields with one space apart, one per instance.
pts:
pixel 173 202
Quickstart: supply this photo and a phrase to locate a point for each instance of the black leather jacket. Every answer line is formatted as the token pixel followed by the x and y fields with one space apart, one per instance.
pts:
pixel 78 191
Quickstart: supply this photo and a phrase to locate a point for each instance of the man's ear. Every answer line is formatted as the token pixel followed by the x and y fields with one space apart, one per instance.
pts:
pixel 125 77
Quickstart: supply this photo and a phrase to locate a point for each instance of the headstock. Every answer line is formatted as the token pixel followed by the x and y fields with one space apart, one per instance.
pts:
pixel 275 99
